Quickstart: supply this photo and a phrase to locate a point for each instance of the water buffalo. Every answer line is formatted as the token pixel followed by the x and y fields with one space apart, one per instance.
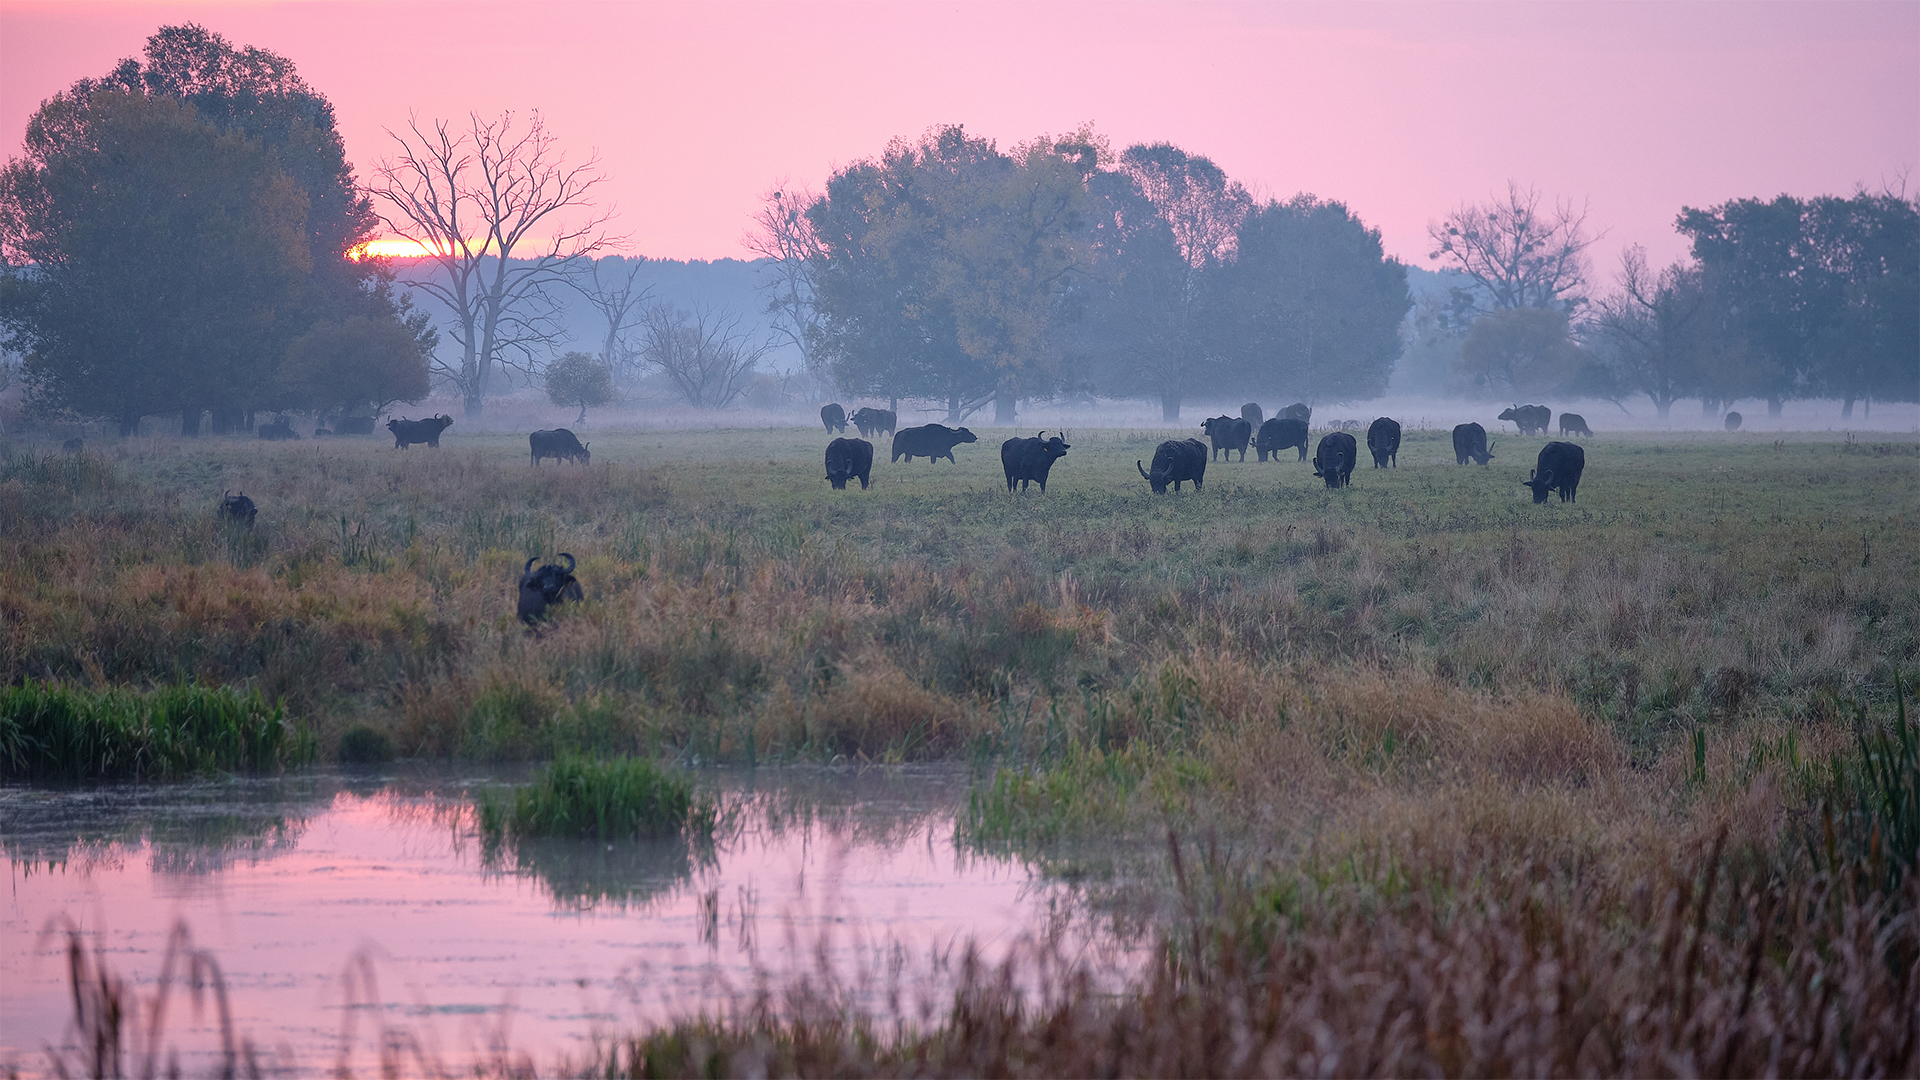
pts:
pixel 1733 421
pixel 1175 461
pixel 1470 441
pixel 408 432
pixel 872 422
pixel 1335 459
pixel 1300 411
pixel 1558 469
pixel 278 431
pixel 1252 414
pixel 1529 418
pixel 1279 433
pixel 238 509
pixel 1029 460
pixel 354 425
pixel 930 441
pixel 559 444
pixel 1228 434
pixel 834 417
pixel 848 458
pixel 1572 423
pixel 1383 442
pixel 547 587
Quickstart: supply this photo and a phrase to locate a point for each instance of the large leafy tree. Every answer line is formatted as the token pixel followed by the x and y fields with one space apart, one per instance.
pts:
pixel 353 364
pixel 1310 305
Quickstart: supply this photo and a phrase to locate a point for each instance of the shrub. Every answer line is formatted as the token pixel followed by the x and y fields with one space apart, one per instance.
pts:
pixel 625 798
pixel 50 731
pixel 362 745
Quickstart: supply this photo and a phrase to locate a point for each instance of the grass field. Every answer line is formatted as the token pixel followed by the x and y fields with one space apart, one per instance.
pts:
pixel 1423 678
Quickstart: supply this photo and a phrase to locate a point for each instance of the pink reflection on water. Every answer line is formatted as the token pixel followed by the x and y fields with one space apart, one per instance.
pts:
pixel 465 958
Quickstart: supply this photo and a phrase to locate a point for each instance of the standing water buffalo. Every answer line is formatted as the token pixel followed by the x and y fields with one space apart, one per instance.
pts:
pixel 545 588
pixel 872 422
pixel 1300 411
pixel 559 444
pixel 930 441
pixel 238 509
pixel 849 458
pixel 1174 462
pixel 1383 441
pixel 1280 433
pixel 834 417
pixel 408 432
pixel 1253 415
pixel 1029 460
pixel 1470 441
pixel 1558 469
pixel 1335 459
pixel 1733 421
pixel 1228 434
pixel 1529 418
pixel 1572 423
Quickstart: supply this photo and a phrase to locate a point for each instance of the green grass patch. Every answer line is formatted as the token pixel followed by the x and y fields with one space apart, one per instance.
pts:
pixel 50 731
pixel 620 799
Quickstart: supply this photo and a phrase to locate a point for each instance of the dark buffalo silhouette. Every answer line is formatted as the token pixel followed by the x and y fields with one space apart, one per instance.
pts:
pixel 322 433
pixel 1253 415
pixel 238 509
pixel 354 425
pixel 1383 442
pixel 547 587
pixel 872 422
pixel 1300 411
pixel 74 445
pixel 1028 461
pixel 408 432
pixel 1335 459
pixel 1280 433
pixel 1470 442
pixel 1529 418
pixel 1174 462
pixel 1733 421
pixel 1228 434
pixel 560 444
pixel 849 458
pixel 834 417
pixel 930 441
pixel 1572 423
pixel 1558 469
pixel 278 431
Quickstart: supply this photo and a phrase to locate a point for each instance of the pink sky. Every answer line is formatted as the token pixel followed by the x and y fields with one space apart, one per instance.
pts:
pixel 1400 110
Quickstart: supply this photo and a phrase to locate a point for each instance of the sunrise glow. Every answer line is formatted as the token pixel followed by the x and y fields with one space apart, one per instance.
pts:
pixel 394 247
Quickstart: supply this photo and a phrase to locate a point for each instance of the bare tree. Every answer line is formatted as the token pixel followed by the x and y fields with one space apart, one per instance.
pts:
pixel 1517 255
pixel 783 236
pixel 503 219
pixel 707 353
pixel 612 294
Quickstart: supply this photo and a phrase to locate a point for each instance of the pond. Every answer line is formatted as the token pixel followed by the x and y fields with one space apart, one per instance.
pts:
pixel 341 905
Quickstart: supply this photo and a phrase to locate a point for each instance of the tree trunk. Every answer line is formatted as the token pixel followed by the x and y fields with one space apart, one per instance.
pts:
pixel 1003 408
pixel 1661 405
pixel 190 422
pixel 129 423
pixel 227 421
pixel 953 409
pixel 1846 407
pixel 1774 405
pixel 893 405
pixel 1169 406
pixel 582 418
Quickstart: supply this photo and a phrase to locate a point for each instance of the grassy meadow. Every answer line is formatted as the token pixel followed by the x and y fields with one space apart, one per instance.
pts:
pixel 1647 740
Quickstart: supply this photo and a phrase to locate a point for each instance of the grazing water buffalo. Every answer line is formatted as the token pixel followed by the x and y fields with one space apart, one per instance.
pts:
pixel 1174 462
pixel 1335 459
pixel 1572 423
pixel 1470 441
pixel 1300 411
pixel 930 441
pixel 1228 434
pixel 278 431
pixel 1030 460
pixel 1558 469
pixel 408 432
pixel 834 417
pixel 238 509
pixel 1529 418
pixel 1733 421
pixel 560 444
pixel 1383 441
pixel 547 587
pixel 1252 414
pixel 872 422
pixel 846 459
pixel 1279 433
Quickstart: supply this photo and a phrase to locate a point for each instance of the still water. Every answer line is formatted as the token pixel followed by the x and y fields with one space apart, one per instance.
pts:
pixel 338 904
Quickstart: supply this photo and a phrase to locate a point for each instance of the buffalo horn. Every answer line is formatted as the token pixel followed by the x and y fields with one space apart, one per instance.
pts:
pixel 570 563
pixel 527 569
